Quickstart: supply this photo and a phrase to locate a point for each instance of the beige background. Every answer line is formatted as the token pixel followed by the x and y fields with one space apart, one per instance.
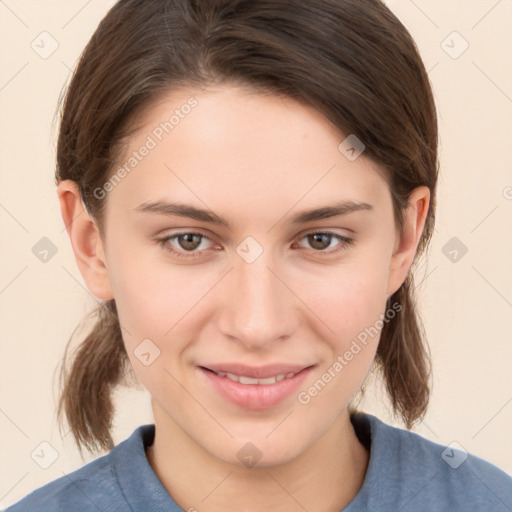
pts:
pixel 466 304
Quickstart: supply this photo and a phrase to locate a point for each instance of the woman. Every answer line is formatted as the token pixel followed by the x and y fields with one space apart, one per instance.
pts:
pixel 247 186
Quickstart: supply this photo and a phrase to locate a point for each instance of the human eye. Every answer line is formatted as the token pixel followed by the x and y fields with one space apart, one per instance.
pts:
pixel 321 240
pixel 184 244
pixel 191 244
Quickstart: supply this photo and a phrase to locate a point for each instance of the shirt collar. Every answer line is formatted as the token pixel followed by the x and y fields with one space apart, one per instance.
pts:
pixel 143 490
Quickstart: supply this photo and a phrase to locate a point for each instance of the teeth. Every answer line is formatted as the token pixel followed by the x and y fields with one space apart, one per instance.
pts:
pixel 242 379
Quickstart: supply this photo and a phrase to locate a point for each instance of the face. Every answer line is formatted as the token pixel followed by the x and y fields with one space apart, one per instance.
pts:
pixel 263 292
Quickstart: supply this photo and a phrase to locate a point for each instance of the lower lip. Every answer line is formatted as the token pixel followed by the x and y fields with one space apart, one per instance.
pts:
pixel 256 396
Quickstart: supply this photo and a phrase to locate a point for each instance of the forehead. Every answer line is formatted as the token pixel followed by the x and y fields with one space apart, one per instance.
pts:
pixel 233 148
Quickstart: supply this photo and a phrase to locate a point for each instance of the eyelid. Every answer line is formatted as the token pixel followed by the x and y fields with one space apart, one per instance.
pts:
pixel 164 242
pixel 344 242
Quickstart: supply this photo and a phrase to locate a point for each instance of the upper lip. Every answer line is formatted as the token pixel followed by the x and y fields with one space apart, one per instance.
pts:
pixel 255 372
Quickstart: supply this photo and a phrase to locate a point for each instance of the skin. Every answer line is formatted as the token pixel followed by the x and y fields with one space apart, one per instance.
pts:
pixel 256 160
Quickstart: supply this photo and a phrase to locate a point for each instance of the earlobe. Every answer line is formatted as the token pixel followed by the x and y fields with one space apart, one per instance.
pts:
pixel 407 241
pixel 85 240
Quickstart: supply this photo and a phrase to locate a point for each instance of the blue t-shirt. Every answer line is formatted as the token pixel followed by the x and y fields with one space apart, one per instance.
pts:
pixel 406 473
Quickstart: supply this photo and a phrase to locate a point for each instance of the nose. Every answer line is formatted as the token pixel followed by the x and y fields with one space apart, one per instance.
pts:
pixel 259 308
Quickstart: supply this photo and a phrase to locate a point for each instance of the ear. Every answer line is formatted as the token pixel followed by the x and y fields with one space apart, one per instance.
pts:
pixel 408 239
pixel 85 239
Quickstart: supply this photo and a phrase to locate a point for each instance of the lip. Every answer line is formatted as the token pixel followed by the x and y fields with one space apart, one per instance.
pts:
pixel 255 372
pixel 255 396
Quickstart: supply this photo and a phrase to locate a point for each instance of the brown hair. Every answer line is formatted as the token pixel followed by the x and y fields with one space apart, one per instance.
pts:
pixel 352 60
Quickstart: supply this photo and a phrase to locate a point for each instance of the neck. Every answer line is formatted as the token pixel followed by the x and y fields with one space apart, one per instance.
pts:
pixel 324 478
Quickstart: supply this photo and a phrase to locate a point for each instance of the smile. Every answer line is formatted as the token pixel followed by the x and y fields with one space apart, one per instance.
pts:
pixel 263 388
pixel 242 379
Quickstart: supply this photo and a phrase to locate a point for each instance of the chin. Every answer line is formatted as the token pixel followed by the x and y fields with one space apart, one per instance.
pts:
pixel 253 452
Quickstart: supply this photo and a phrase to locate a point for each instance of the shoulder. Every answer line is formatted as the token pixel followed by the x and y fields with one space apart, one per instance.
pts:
pixel 80 490
pixel 411 471
pixel 94 486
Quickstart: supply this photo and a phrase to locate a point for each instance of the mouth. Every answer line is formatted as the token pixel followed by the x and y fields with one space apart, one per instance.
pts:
pixel 255 388
pixel 256 372
pixel 244 379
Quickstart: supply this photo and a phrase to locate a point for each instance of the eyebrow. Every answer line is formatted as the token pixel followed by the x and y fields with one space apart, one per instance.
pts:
pixel 184 210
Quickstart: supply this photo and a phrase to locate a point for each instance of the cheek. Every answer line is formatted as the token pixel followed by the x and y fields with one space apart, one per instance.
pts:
pixel 352 306
pixel 347 298
pixel 160 302
pixel 350 301
pixel 151 295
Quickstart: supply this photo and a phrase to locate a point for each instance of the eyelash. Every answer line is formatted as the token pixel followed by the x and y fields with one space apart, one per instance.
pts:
pixel 163 242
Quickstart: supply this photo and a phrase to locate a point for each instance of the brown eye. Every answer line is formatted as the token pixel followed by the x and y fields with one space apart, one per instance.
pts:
pixel 189 241
pixel 184 244
pixel 319 241
pixel 322 240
